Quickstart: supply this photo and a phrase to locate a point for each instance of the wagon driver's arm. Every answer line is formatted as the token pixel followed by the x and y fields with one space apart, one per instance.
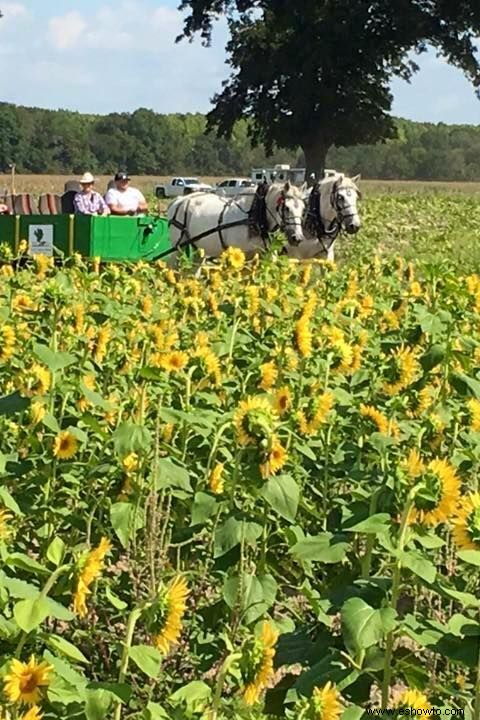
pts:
pixel 118 210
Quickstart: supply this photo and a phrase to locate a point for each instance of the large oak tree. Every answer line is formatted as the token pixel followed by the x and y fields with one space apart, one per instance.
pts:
pixel 316 73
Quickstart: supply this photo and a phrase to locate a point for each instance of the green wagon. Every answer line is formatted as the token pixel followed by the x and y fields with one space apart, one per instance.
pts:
pixel 109 238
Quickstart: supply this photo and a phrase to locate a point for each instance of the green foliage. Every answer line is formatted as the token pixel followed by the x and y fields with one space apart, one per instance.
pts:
pixel 169 144
pixel 319 74
pixel 166 565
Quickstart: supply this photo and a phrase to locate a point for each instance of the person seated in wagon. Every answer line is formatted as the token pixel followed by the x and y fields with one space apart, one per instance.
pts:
pixel 124 199
pixel 89 201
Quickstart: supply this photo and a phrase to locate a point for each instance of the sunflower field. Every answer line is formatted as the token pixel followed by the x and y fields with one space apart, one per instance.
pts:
pixel 244 492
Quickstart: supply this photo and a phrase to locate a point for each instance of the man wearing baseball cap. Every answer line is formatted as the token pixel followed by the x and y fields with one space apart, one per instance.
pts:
pixel 89 202
pixel 124 199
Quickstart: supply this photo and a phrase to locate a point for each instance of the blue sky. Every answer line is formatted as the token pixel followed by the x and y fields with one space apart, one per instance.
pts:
pixel 111 55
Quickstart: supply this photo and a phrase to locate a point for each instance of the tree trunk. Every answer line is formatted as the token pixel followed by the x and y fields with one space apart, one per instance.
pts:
pixel 315 151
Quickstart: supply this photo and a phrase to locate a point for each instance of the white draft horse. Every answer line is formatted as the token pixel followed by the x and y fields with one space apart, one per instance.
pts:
pixel 212 223
pixel 331 206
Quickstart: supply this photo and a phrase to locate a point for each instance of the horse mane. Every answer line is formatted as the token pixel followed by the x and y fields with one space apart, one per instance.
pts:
pixel 292 192
pixel 346 181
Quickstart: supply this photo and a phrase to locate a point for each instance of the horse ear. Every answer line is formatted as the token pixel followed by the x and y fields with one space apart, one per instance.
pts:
pixel 356 178
pixel 287 186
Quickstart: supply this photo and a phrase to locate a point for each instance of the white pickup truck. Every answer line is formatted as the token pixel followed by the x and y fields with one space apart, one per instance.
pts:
pixel 181 186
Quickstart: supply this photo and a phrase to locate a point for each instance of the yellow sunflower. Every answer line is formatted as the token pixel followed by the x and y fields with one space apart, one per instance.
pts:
pixel 216 482
pixel 25 682
pixel 257 663
pixel 7 342
pixel 35 381
pixel 326 703
pixel 167 432
pixel 5 530
pixel 383 424
pixel 416 289
pixel 438 493
pixel 268 373
pixel 147 305
pixel 22 303
pixel 474 408
pixel 343 357
pixel 100 347
pixel 130 463
pixel 174 361
pixel 234 258
pixel 91 565
pixel 466 523
pixel 254 420
pixel 276 458
pixel 413 699
pixel 37 412
pixel 33 714
pixel 211 364
pixel 79 317
pixel 283 400
pixel 406 369
pixel 303 336
pixel 310 419
pixel 414 464
pixel 65 445
pixel 170 610
pixel 253 300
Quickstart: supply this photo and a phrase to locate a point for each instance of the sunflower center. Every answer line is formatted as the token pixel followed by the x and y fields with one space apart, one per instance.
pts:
pixel 428 493
pixel 473 524
pixel 28 682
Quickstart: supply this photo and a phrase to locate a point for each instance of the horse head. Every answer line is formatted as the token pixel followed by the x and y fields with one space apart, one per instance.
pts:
pixel 344 197
pixel 285 210
pixel 332 206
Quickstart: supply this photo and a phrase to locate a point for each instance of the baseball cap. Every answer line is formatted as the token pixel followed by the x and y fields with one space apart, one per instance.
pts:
pixel 122 176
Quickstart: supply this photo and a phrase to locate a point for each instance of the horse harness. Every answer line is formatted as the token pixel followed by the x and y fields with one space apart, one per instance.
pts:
pixel 330 232
pixel 256 218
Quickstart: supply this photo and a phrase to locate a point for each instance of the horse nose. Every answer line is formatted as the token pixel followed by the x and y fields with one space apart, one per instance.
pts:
pixel 352 229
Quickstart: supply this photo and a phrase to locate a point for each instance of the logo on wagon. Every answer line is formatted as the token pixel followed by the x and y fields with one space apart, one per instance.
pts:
pixel 40 240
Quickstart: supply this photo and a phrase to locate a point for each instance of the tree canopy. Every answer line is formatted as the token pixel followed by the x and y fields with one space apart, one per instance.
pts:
pixel 317 73
pixel 145 142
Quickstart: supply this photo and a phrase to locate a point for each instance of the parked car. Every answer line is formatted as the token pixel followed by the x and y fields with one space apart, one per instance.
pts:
pixel 233 186
pixel 181 186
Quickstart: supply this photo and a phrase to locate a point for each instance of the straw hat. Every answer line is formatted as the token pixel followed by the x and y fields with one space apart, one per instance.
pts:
pixel 87 178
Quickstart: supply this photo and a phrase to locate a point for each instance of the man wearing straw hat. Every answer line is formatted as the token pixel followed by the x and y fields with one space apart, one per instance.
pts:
pixel 89 201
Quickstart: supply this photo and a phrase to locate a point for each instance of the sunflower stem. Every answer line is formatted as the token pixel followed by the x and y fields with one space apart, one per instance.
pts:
pixel 366 561
pixel 326 476
pixel 132 621
pixel 213 450
pixel 396 583
pixel 233 337
pixel 217 698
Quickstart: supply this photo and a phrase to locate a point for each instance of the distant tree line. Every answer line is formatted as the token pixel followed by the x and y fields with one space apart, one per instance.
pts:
pixel 145 142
